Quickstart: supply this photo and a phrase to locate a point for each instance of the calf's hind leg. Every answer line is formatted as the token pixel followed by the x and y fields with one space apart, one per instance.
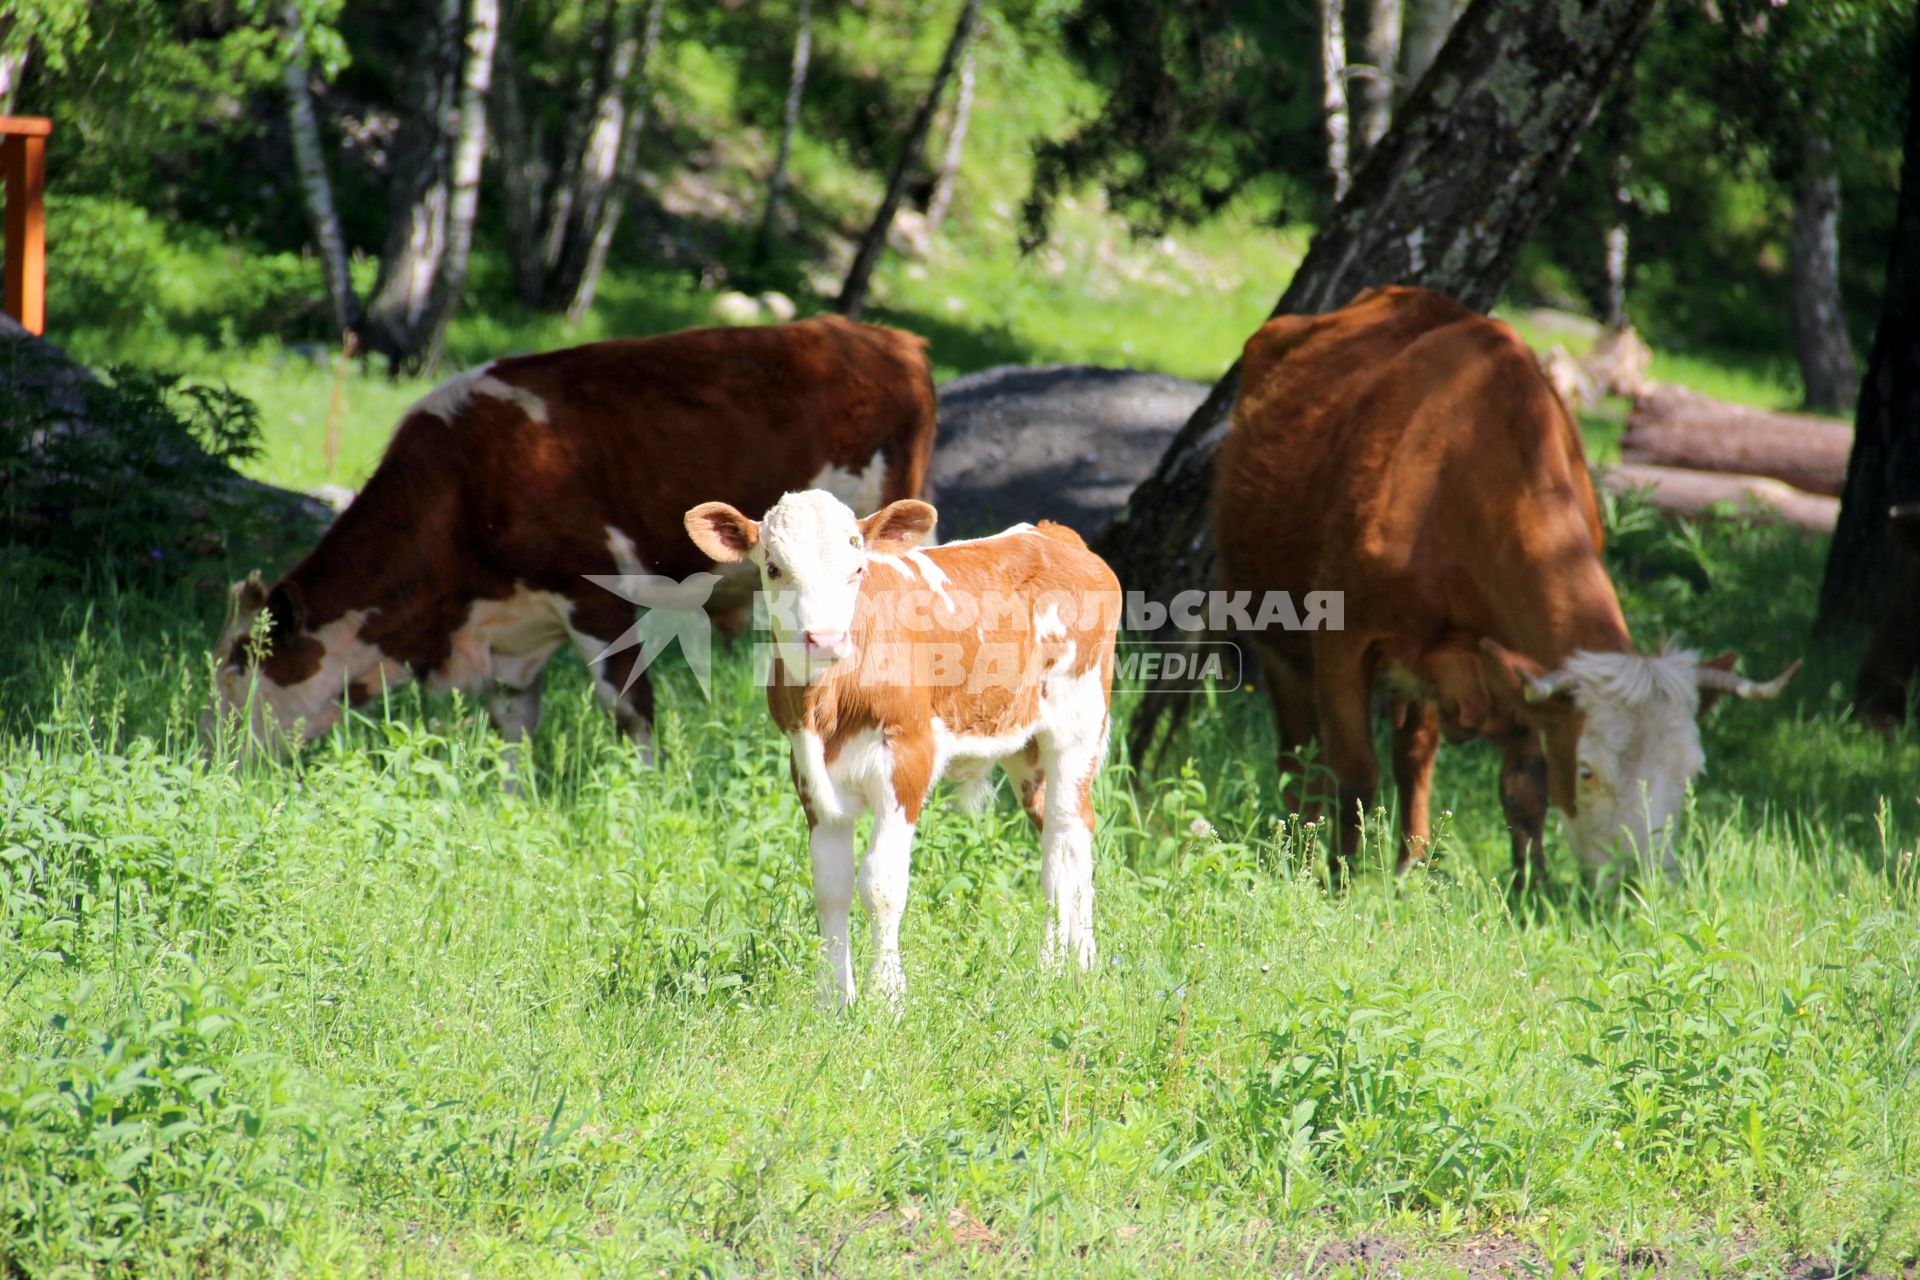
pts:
pixel 1066 852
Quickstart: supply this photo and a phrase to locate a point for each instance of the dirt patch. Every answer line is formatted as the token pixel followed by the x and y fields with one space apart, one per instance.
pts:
pixel 1494 1257
pixel 1055 442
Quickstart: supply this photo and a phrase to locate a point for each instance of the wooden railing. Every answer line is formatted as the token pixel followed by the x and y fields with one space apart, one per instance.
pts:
pixel 23 165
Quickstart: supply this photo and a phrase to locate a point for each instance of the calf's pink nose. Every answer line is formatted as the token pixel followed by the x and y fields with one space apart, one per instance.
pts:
pixel 830 641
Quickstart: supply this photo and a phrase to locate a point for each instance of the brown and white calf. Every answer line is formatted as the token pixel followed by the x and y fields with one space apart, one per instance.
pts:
pixel 1406 451
pixel 895 666
pixel 462 561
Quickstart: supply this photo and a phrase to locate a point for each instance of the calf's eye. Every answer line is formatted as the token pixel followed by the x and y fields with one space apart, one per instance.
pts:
pixel 773 572
pixel 1586 773
pixel 854 541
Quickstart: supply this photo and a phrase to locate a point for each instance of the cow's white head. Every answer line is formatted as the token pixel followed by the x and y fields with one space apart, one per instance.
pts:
pixel 812 555
pixel 1622 738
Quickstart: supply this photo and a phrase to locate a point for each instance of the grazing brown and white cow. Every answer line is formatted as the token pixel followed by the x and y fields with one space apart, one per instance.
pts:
pixel 461 563
pixel 894 666
pixel 1407 452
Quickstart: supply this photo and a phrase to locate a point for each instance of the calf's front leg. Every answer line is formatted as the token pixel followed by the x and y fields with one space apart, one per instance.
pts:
pixel 884 873
pixel 831 844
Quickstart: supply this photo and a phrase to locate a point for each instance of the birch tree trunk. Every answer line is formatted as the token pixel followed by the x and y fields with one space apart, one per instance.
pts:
pixel 789 125
pixel 606 220
pixel 12 67
pixel 942 198
pixel 853 294
pixel 1333 100
pixel 469 155
pixel 1819 322
pixel 1383 66
pixel 417 195
pixel 1470 164
pixel 1864 567
pixel 316 189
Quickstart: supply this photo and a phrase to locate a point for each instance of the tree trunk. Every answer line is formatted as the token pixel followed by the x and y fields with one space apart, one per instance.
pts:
pixel 1864 566
pixel 469 154
pixel 1614 245
pixel 1427 23
pixel 526 179
pixel 1333 93
pixel 315 188
pixel 942 198
pixel 1471 162
pixel 853 294
pixel 1383 64
pixel 417 194
pixel 12 67
pixel 789 125
pixel 607 220
pixel 1819 323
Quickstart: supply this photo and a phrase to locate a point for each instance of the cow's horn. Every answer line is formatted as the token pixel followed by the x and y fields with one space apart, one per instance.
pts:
pixel 1740 686
pixel 1541 688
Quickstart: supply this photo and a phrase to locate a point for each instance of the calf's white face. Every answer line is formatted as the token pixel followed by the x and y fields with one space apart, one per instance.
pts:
pixel 812 555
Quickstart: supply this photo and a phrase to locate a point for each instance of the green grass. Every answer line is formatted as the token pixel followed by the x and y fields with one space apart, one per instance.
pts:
pixel 364 1015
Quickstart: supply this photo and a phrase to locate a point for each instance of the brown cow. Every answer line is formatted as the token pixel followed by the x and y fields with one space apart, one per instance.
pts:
pixel 1880 686
pixel 461 563
pixel 895 666
pixel 1407 452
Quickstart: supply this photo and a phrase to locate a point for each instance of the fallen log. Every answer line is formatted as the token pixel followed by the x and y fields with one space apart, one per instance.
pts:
pixel 1674 427
pixel 1695 493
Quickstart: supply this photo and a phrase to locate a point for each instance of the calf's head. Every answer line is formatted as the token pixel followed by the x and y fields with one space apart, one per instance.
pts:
pixel 812 555
pixel 1622 737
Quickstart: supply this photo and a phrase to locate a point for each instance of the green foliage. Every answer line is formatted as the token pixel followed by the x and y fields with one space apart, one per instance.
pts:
pixel 132 473
pixel 1201 100
pixel 156 1134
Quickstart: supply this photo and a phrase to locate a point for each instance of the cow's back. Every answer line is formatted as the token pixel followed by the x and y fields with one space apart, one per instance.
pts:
pixel 1407 451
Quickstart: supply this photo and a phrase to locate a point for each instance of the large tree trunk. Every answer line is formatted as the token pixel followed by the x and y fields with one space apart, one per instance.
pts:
pixel 315 188
pixel 853 294
pixel 1864 566
pixel 1333 94
pixel 469 154
pixel 942 198
pixel 1383 66
pixel 1819 323
pixel 417 194
pixel 1426 23
pixel 789 125
pixel 607 220
pixel 1471 163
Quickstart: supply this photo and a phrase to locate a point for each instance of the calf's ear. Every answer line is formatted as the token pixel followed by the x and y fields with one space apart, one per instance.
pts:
pixel 723 535
pixel 898 526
